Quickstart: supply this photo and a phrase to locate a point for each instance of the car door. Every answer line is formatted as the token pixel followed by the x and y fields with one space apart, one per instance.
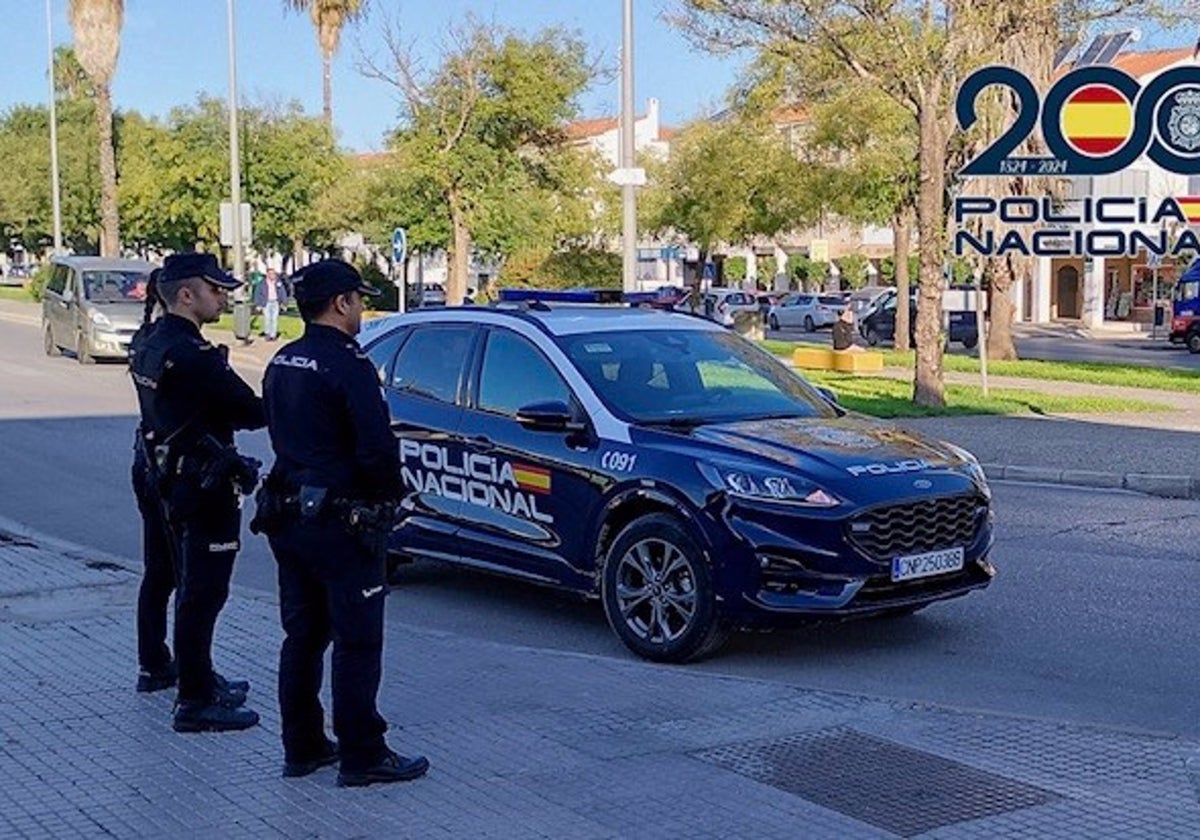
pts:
pixel 424 391
pixel 530 497
pixel 55 304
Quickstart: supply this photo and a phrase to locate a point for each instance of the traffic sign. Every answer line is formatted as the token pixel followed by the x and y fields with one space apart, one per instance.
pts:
pixel 399 245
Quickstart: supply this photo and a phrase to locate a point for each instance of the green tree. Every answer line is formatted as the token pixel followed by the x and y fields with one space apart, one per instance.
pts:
pixel 852 270
pixel 329 17
pixel 734 269
pixel 97 28
pixel 481 136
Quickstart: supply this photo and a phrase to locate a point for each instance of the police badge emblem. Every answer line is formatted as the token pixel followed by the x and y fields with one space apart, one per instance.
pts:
pixel 1183 124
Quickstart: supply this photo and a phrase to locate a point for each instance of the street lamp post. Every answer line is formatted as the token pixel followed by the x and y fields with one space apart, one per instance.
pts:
pixel 55 200
pixel 241 308
pixel 628 190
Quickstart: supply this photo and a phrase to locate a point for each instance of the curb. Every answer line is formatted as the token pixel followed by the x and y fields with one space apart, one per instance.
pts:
pixel 1166 486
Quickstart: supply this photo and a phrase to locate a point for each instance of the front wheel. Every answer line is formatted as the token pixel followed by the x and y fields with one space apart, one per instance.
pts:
pixel 1193 342
pixel 49 344
pixel 83 352
pixel 658 593
pixel 872 336
pixel 774 323
pixel 809 326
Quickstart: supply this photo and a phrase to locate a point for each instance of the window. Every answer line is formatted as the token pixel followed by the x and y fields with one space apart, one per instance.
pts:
pixel 58 280
pixel 383 352
pixel 430 363
pixel 516 374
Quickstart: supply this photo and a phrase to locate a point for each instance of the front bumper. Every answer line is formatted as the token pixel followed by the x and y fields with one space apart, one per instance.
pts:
pixel 774 568
pixel 110 344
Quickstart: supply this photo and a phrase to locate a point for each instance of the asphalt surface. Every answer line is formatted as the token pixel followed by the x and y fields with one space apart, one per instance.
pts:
pixel 1091 620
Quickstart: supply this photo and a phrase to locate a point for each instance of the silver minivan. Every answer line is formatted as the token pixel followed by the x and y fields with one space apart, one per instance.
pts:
pixel 92 306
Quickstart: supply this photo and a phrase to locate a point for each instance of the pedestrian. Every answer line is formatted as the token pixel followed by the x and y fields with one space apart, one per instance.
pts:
pixel 156 666
pixel 843 332
pixel 271 296
pixel 328 507
pixel 191 402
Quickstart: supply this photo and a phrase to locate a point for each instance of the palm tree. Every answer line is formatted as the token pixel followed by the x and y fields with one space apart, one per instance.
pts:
pixel 329 17
pixel 97 28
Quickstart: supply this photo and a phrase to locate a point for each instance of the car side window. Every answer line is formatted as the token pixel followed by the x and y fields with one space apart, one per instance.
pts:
pixel 516 374
pixel 383 353
pixel 58 280
pixel 430 364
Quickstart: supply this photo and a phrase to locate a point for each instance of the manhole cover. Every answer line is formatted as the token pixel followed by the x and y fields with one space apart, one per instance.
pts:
pixel 896 788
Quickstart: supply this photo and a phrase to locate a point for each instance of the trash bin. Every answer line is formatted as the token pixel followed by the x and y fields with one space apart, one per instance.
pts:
pixel 1160 314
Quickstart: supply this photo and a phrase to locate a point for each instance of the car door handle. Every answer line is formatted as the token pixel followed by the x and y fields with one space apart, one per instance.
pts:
pixel 481 443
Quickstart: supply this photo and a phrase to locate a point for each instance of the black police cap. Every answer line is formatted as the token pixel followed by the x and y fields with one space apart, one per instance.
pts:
pixel 328 279
pixel 185 266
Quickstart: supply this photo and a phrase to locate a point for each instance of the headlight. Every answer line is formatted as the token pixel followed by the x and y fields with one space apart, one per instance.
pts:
pixel 973 465
pixel 100 319
pixel 767 487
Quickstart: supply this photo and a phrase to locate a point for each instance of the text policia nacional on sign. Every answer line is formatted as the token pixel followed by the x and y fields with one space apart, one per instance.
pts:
pixel 1095 121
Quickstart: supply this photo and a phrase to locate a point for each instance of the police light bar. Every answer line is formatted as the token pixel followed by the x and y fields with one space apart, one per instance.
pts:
pixel 574 296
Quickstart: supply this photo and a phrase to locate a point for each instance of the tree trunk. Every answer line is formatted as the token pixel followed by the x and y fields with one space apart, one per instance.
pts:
pixel 110 221
pixel 928 387
pixel 460 253
pixel 902 226
pixel 1007 272
pixel 297 252
pixel 327 86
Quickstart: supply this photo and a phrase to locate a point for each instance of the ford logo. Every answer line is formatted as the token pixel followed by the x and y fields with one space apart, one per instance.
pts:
pixel 922 484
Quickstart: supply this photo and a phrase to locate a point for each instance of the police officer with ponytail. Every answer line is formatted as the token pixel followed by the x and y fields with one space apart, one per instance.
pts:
pixel 191 477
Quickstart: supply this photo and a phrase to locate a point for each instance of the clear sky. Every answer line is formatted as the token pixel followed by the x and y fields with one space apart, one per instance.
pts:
pixel 173 50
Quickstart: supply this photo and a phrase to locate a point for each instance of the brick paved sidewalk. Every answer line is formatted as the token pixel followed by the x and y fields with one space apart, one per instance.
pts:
pixel 530 743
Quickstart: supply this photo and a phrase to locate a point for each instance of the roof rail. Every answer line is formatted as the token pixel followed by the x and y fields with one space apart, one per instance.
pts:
pixel 544 296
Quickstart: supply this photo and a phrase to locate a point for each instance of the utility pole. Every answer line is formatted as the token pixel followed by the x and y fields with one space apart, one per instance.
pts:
pixel 628 162
pixel 241 307
pixel 55 200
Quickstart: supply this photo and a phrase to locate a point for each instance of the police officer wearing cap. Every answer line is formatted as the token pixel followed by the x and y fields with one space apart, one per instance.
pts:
pixel 332 492
pixel 191 402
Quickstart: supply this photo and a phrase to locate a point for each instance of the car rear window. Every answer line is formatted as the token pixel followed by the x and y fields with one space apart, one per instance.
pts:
pixel 831 300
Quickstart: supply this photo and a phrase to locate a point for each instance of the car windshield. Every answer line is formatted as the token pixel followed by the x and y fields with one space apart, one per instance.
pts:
pixel 690 377
pixel 112 286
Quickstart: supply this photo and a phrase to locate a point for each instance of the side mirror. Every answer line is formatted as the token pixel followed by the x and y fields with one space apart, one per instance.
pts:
pixel 549 416
pixel 829 395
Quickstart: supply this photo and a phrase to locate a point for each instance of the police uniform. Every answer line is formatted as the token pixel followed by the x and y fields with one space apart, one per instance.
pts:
pixel 335 453
pixel 191 402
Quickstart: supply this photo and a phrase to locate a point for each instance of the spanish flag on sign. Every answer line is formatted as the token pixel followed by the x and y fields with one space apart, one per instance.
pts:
pixel 1097 120
pixel 1190 205
pixel 531 479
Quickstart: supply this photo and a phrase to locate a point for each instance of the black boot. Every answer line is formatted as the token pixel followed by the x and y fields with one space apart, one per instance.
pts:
pixel 212 716
pixel 392 768
pixel 231 685
pixel 327 755
pixel 158 679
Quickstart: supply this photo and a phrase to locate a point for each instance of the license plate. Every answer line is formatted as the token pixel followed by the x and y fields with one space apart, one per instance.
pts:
pixel 931 563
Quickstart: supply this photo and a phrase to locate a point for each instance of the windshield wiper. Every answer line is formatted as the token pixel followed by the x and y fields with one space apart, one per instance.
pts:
pixel 678 422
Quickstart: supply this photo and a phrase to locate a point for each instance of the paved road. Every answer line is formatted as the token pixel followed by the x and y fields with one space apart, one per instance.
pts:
pixel 1091 620
pixel 1061 344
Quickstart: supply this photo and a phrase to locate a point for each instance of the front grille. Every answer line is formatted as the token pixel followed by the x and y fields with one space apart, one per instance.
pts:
pixel 928 525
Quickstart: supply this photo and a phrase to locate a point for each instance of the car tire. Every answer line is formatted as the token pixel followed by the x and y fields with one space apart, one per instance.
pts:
pixel 872 336
pixel 652 572
pixel 1193 341
pixel 971 343
pixel 83 353
pixel 809 326
pixel 773 323
pixel 49 344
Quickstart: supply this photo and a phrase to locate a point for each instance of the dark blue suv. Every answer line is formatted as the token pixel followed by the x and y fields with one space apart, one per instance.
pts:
pixel 670 468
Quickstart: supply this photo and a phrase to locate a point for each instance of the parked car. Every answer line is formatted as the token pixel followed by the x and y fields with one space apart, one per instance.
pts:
pixel 808 311
pixel 879 323
pixel 668 469
pixel 92 306
pixel 765 301
pixel 669 297
pixel 720 304
pixel 863 299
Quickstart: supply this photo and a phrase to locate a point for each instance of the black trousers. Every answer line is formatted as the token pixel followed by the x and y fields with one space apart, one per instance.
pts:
pixel 158 575
pixel 207 528
pixel 331 589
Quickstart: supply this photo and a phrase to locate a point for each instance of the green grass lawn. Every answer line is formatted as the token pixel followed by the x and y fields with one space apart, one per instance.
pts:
pixel 16 293
pixel 1094 373
pixel 290 326
pixel 883 397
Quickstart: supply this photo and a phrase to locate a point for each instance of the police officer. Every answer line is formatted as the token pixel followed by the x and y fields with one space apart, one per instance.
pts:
pixel 156 667
pixel 191 402
pixel 336 463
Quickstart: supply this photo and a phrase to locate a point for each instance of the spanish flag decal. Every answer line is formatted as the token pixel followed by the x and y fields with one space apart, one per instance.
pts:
pixel 1097 120
pixel 531 479
pixel 1190 205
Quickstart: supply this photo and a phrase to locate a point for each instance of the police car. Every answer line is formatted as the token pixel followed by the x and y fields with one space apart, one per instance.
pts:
pixel 668 467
